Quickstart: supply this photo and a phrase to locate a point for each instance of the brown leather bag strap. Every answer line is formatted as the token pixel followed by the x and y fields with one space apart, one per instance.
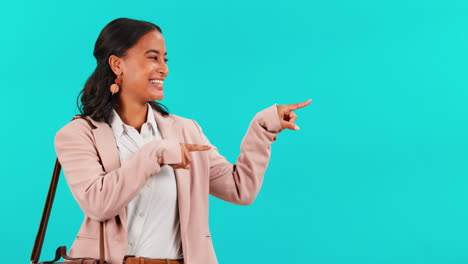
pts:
pixel 36 252
pixel 102 256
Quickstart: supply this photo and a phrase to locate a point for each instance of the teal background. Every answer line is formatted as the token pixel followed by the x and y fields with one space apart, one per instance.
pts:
pixel 377 173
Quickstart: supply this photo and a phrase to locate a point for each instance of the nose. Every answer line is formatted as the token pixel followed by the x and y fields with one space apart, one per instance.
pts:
pixel 163 69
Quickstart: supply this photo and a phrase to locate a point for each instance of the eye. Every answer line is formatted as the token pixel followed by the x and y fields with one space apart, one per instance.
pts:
pixel 156 58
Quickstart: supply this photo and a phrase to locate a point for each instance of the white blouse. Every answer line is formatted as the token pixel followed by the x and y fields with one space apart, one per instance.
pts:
pixel 153 217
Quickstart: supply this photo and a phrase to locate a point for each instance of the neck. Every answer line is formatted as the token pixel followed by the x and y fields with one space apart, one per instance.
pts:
pixel 132 114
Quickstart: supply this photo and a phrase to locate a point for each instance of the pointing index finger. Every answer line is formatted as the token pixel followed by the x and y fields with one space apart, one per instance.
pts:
pixel 299 105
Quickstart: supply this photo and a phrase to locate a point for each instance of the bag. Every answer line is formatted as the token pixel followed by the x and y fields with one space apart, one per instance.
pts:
pixel 61 251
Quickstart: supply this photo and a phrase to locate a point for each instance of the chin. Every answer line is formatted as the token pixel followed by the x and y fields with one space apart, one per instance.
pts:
pixel 158 97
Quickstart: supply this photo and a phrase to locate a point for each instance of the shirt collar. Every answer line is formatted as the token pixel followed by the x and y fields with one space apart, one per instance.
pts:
pixel 118 126
pixel 150 118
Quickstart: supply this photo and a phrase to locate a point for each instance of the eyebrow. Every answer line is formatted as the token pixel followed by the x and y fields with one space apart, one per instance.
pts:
pixel 155 51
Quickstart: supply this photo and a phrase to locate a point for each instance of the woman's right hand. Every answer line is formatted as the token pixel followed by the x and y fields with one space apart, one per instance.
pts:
pixel 186 160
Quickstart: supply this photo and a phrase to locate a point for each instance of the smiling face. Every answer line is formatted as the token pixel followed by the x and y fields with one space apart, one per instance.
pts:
pixel 143 69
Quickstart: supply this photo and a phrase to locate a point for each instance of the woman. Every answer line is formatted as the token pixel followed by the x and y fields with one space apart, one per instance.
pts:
pixel 145 173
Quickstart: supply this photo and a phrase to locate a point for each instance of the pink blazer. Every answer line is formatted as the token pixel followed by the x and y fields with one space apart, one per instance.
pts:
pixel 103 186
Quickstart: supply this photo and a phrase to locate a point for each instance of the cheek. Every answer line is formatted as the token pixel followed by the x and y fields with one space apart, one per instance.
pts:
pixel 139 75
pixel 139 68
pixel 146 72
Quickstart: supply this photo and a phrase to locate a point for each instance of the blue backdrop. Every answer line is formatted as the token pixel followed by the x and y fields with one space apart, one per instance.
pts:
pixel 377 173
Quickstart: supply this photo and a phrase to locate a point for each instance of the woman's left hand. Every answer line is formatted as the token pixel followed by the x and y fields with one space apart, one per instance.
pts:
pixel 287 116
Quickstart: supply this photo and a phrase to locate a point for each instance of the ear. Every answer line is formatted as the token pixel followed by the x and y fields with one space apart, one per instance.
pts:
pixel 116 64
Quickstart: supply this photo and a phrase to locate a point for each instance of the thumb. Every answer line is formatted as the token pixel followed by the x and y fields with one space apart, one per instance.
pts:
pixel 289 125
pixel 196 147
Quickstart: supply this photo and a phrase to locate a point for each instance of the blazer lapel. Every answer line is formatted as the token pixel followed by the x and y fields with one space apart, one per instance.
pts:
pixel 172 130
pixel 107 149
pixel 106 146
pixel 109 154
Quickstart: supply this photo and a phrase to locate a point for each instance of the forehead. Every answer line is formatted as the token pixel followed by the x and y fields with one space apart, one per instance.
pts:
pixel 151 40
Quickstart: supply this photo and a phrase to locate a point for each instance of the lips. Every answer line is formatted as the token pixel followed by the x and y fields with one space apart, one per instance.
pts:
pixel 157 83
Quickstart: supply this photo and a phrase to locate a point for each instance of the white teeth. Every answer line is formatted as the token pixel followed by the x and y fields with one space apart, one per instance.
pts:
pixel 157 81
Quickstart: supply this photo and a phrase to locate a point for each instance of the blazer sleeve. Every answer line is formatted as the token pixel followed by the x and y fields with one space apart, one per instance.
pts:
pixel 240 183
pixel 101 194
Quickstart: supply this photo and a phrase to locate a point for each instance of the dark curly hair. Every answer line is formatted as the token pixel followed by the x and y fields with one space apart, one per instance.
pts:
pixel 115 39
